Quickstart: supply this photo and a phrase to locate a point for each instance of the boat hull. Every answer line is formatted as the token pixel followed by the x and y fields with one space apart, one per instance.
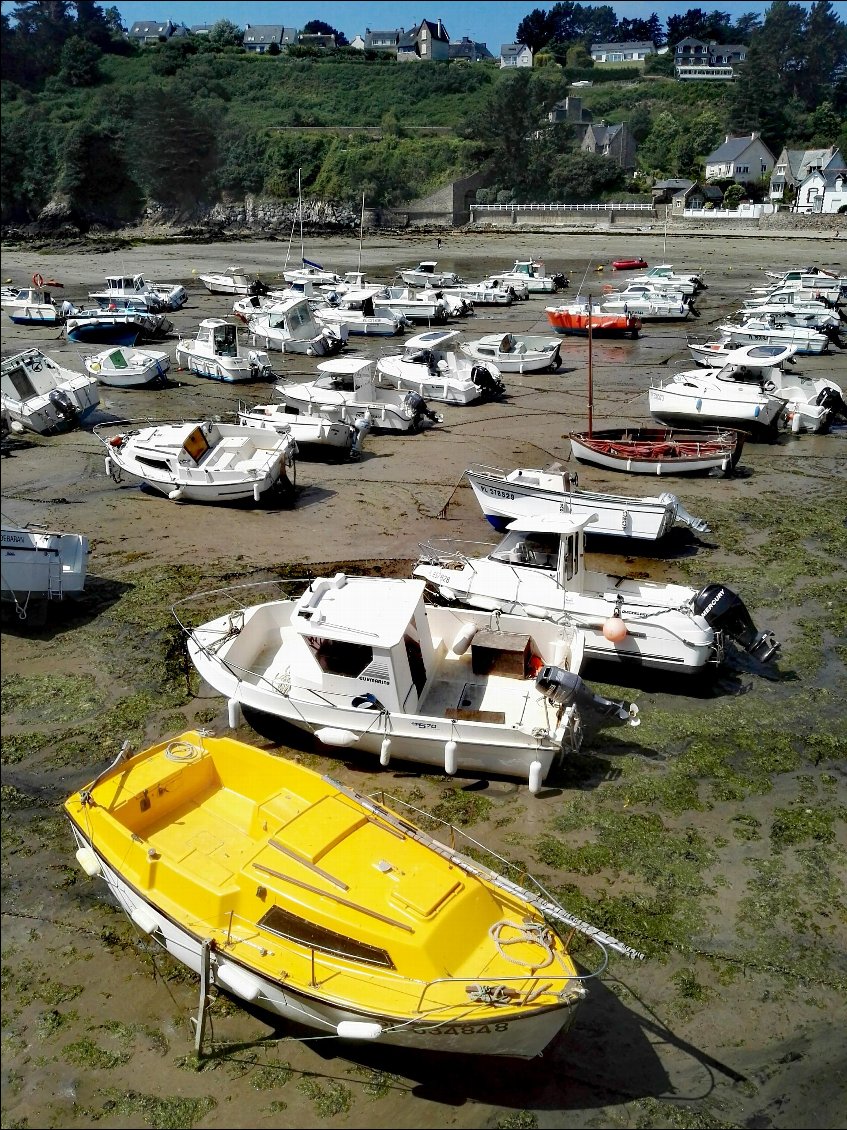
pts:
pixel 104 334
pixel 502 499
pixel 660 451
pixel 217 369
pixel 41 565
pixel 575 323
pixel 691 408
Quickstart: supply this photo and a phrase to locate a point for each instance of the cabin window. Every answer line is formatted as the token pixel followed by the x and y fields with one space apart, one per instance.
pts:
pixel 225 341
pixel 414 654
pixel 535 550
pixel 340 657
pixel 196 444
pixel 118 360
pixel 298 316
pixel 287 925
pixel 571 557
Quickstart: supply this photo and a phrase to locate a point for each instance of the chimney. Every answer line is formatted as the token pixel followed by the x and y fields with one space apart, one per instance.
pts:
pixel 728 139
pixel 440 33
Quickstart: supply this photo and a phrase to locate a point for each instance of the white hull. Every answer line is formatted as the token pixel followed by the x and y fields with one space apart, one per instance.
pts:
pixel 394 373
pixel 216 368
pixel 254 670
pixel 41 564
pixel 523 356
pixel 525 493
pixel 681 405
pixel 44 397
pixel 524 1038
pixel 139 367
pixel 647 310
pixel 690 465
pixel 795 338
pixel 307 431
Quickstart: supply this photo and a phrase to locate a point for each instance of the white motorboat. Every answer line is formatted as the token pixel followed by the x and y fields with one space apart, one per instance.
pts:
pixel 153 296
pixel 826 284
pixel 411 304
pixel 646 307
pixel 803 315
pixel 39 395
pixel 348 388
pixel 315 435
pixel 426 366
pixel 425 274
pixel 456 305
pixel 235 280
pixel 515 353
pixel 355 310
pixel 121 322
pixel 528 491
pixel 128 368
pixel 771 329
pixel 290 327
pixel 515 284
pixel 789 298
pixel 532 273
pixel 742 393
pixel 484 293
pixel 41 564
pixel 654 291
pixel 364 662
pixel 538 570
pixel 216 352
pixel 663 274
pixel 203 461
pixel 311 273
pixel 30 306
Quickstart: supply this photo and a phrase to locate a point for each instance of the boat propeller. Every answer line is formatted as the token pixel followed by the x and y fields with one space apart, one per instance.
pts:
pixel 726 612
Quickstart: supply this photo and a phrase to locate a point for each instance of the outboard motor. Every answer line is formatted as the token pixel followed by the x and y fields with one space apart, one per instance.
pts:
pixel 559 281
pixel 831 399
pixel 63 404
pixel 490 386
pixel 362 425
pixel 683 516
pixel 564 688
pixel 419 411
pixel 834 335
pixel 726 612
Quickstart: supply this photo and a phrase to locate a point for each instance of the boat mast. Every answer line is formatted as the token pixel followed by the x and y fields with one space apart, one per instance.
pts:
pixel 361 232
pixel 590 372
pixel 300 198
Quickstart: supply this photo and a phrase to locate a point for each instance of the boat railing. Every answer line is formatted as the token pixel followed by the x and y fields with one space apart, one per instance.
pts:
pixel 484 469
pixel 451 554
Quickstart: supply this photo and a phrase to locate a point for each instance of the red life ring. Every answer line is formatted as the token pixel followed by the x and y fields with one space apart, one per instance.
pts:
pixel 38 280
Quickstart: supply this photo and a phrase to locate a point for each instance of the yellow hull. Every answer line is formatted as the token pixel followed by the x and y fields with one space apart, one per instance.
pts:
pixel 318 903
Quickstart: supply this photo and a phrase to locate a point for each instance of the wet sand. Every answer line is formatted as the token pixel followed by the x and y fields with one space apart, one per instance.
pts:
pixel 763 1050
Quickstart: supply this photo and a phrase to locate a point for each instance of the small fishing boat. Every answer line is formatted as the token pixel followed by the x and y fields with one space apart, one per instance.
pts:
pixel 538 570
pixel 520 493
pixel 128 368
pixel 572 319
pixel 485 293
pixel 315 435
pixel 201 462
pixel 153 296
pixel 348 388
pixel 41 564
pixel 216 352
pixel 317 904
pixel 633 263
pixel 365 662
pixel 515 353
pixel 235 280
pixel 771 329
pixel 533 274
pixel 425 274
pixel 30 306
pixel 417 306
pixel 116 325
pixel 39 395
pixel 653 307
pixel 742 394
pixel 663 274
pixel 660 451
pixel 354 312
pixel 290 327
pixel 426 366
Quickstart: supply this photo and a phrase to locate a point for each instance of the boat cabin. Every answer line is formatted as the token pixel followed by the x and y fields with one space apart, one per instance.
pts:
pixel 754 364
pixel 294 317
pixel 366 637
pixel 532 268
pixel 217 338
pixel 554 543
pixel 28 375
pixel 344 374
pixel 31 296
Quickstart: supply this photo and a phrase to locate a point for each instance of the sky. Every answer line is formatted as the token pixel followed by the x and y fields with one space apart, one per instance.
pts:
pixel 490 23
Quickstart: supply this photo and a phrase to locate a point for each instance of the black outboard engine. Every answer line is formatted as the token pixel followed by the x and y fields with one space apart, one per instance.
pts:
pixel 726 612
pixel 834 335
pixel 559 280
pixel 63 404
pixel 420 411
pixel 564 688
pixel 833 401
pixel 490 386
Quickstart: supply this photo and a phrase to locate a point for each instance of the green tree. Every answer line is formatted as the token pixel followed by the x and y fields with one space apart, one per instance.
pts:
pixel 770 75
pixel 578 56
pixel 225 33
pixel 660 64
pixel 580 177
pixel 319 27
pixel 825 49
pixel 80 62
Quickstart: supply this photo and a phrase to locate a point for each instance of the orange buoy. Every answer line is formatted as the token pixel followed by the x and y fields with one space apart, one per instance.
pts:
pixel 614 630
pixel 38 280
pixel 116 441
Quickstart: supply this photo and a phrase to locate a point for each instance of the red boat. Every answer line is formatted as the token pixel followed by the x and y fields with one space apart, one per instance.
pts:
pixel 660 451
pixel 635 264
pixel 573 319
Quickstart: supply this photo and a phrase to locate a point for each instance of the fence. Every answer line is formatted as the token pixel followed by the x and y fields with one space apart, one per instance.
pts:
pixel 628 206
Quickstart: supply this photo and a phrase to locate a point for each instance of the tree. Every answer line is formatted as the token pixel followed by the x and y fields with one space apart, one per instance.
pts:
pixel 639 122
pixel 225 33
pixel 660 65
pixel 80 61
pixel 318 27
pixel 536 30
pixel 697 24
pixel 825 43
pixel 581 177
pixel 640 31
pixel 771 74
pixel 578 57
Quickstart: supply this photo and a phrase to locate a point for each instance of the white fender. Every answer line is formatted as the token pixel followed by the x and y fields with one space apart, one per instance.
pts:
pixel 332 735
pixel 88 861
pixel 535 777
pixel 176 495
pixel 450 758
pixel 257 491
pixel 233 708
pixel 238 981
pixel 143 919
pixel 385 751
pixel 358 1030
pixel 463 640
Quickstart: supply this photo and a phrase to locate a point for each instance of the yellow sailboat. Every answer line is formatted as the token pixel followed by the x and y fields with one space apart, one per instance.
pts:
pixel 321 905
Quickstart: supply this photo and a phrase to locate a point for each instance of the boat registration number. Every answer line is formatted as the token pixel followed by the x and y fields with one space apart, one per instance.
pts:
pixel 462 1030
pixel 496 493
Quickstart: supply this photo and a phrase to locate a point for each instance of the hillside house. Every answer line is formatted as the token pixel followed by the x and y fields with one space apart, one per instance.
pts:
pixel 794 165
pixel 428 42
pixel 632 52
pixel 663 191
pixel 144 32
pixel 614 142
pixel 742 159
pixel 571 110
pixel 696 197
pixel 469 50
pixel 727 54
pixel 385 41
pixel 823 191
pixel 259 37
pixel 691 53
pixel 322 40
pixel 515 55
